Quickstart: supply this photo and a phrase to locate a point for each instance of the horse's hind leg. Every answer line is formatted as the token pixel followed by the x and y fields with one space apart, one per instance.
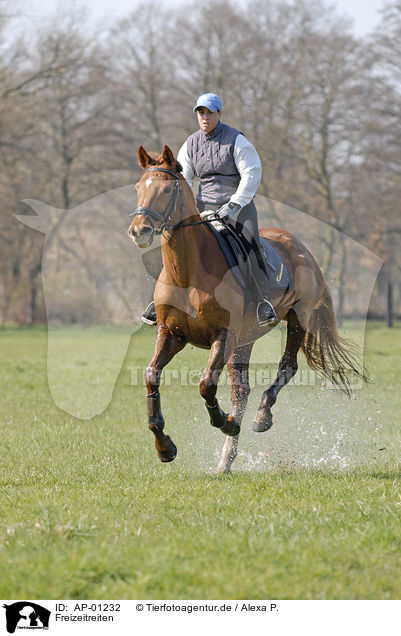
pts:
pixel 220 352
pixel 287 369
pixel 238 368
pixel 166 346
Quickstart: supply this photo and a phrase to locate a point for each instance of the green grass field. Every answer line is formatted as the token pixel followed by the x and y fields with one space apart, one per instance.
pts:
pixel 312 509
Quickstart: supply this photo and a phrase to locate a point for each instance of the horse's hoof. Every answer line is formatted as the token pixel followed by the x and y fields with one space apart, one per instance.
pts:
pixel 165 458
pixel 223 471
pixel 263 421
pixel 168 454
pixel 230 427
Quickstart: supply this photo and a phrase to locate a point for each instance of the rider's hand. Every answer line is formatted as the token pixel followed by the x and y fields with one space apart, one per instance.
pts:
pixel 228 210
pixel 208 214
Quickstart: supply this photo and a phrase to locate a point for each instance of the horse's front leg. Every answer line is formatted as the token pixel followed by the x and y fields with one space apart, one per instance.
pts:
pixel 238 368
pixel 220 352
pixel 166 346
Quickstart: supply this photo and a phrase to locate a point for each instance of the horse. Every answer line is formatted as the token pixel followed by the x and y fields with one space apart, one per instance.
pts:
pixel 199 301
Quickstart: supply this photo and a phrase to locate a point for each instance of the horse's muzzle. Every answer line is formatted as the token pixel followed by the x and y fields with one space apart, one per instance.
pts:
pixel 143 236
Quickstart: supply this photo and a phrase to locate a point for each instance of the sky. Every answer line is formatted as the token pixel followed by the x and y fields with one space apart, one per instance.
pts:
pixel 365 13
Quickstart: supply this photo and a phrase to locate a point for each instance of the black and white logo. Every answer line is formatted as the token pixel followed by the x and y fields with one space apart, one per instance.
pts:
pixel 26 615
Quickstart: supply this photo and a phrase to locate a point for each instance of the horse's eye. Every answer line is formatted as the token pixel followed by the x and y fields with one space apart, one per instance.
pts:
pixel 168 190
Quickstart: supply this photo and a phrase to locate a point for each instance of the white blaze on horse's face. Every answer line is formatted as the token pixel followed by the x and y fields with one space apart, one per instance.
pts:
pixel 153 192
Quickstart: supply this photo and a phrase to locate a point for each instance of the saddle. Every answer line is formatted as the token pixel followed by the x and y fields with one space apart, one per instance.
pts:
pixel 238 260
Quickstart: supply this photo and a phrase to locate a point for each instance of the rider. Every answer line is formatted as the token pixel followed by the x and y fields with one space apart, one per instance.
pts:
pixel 230 171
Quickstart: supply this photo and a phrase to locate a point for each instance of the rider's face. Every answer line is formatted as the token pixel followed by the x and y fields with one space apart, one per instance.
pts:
pixel 206 119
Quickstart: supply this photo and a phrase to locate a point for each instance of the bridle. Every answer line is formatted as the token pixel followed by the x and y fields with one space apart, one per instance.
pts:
pixel 163 218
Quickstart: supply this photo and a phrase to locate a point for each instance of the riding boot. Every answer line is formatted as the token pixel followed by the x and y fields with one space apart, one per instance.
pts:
pixel 149 315
pixel 245 223
pixel 265 313
pixel 153 262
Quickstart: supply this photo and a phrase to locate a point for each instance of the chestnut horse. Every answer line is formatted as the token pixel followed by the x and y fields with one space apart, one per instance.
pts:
pixel 199 301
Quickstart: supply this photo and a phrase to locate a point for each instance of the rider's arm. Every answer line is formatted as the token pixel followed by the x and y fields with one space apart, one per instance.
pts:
pixel 187 166
pixel 250 168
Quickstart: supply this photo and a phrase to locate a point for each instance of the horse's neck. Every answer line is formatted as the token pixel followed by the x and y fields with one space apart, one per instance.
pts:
pixel 184 250
pixel 182 253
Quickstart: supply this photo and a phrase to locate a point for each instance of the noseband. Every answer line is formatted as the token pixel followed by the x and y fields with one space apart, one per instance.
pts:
pixel 165 217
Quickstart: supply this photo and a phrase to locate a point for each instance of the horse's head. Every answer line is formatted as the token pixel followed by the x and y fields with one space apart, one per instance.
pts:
pixel 160 196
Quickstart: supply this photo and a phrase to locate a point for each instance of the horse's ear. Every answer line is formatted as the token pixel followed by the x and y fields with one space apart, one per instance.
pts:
pixel 168 157
pixel 178 166
pixel 144 159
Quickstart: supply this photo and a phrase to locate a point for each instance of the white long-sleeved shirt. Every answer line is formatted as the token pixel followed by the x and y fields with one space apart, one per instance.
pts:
pixel 248 165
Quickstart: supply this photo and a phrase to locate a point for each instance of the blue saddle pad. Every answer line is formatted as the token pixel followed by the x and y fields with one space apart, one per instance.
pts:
pixel 238 262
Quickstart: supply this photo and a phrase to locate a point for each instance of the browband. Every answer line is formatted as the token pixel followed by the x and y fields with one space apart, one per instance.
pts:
pixel 156 169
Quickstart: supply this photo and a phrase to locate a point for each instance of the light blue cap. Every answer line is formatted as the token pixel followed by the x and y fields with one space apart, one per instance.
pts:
pixel 210 101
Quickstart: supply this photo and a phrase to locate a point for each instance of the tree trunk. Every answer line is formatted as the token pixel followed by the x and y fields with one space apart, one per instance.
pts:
pixel 33 303
pixel 390 307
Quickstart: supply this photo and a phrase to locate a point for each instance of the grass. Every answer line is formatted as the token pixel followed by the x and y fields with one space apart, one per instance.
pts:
pixel 311 511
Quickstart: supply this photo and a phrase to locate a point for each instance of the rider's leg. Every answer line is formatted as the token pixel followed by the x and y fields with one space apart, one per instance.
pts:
pixel 246 223
pixel 153 263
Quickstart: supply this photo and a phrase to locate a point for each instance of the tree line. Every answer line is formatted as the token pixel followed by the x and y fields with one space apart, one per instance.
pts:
pixel 322 107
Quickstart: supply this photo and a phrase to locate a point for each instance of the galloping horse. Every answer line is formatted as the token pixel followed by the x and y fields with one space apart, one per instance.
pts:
pixel 199 301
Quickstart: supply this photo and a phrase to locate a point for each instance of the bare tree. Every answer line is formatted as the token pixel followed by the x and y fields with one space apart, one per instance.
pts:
pixel 321 107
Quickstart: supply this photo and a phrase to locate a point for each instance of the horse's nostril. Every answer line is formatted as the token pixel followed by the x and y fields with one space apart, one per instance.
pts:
pixel 144 231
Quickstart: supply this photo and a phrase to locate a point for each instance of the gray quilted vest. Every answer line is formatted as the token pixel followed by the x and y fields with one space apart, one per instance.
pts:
pixel 212 156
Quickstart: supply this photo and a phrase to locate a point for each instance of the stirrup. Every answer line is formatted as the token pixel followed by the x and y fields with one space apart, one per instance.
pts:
pixel 149 315
pixel 265 314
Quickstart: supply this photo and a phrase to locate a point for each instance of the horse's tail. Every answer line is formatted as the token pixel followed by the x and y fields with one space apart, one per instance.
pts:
pixel 328 353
